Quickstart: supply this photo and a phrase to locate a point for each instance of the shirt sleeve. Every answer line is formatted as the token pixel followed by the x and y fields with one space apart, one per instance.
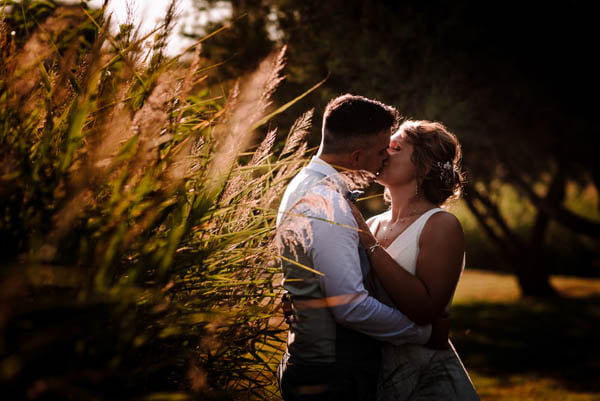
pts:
pixel 334 251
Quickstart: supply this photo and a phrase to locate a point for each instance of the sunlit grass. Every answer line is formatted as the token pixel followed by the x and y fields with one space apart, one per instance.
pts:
pixel 484 286
pixel 524 349
pixel 526 388
pixel 138 210
pixel 521 349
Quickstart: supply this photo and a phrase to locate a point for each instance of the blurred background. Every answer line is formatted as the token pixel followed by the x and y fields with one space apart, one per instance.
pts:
pixel 515 81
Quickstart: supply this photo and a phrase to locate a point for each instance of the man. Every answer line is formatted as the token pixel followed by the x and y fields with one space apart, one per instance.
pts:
pixel 335 325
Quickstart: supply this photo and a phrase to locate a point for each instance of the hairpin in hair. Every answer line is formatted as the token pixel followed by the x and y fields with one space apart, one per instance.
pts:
pixel 447 171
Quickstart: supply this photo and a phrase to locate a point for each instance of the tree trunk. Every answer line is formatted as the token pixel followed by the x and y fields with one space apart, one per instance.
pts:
pixel 526 259
pixel 533 275
pixel 552 205
pixel 534 278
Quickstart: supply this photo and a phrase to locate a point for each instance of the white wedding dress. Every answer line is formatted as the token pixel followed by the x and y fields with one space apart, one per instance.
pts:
pixel 414 372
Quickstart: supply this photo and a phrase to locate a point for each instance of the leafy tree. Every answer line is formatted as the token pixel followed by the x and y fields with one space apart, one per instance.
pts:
pixel 512 80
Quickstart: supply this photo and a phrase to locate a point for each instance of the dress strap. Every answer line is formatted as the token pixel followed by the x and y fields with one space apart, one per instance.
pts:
pixel 425 217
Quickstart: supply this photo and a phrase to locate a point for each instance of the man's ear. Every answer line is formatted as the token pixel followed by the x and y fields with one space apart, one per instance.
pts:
pixel 356 158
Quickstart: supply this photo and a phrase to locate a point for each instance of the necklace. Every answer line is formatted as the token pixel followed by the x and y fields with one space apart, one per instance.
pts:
pixel 393 229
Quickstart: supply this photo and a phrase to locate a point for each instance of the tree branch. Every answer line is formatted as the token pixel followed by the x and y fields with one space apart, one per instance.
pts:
pixel 554 208
pixel 494 213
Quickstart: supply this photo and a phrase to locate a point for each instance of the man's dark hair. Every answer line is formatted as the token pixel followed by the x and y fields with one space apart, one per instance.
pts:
pixel 351 117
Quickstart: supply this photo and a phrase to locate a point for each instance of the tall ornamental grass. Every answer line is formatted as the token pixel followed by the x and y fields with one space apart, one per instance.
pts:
pixel 136 215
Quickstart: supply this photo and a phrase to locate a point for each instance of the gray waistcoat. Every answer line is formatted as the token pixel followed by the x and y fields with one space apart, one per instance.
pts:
pixel 315 337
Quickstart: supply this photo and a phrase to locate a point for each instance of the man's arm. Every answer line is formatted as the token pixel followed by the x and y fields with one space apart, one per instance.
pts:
pixel 334 251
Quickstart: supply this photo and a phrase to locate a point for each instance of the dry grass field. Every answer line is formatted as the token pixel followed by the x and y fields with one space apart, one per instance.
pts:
pixel 525 349
pixel 485 286
pixel 519 349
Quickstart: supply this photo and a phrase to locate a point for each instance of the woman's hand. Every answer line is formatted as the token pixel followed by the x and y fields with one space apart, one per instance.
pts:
pixel 366 237
pixel 440 329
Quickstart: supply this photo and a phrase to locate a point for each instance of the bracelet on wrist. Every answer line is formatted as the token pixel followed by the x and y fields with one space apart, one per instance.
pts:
pixel 373 247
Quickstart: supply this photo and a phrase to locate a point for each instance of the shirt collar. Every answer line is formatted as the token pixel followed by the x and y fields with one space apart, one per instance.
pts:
pixel 321 166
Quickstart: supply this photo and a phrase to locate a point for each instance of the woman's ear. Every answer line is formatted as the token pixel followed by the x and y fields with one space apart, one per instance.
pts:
pixel 427 170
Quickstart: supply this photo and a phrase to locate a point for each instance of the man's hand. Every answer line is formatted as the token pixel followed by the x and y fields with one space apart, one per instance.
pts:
pixel 440 329
pixel 366 237
pixel 287 308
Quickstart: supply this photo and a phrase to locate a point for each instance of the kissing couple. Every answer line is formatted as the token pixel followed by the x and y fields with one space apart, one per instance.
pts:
pixel 368 302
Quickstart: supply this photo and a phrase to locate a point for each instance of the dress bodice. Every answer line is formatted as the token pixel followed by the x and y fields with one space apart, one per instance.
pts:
pixel 412 371
pixel 405 247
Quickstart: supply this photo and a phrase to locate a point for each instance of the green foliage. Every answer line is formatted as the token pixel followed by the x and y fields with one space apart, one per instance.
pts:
pixel 504 81
pixel 135 234
pixel 25 15
pixel 567 252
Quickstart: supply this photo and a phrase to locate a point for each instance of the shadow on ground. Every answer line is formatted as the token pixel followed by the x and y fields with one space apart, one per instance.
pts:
pixel 556 339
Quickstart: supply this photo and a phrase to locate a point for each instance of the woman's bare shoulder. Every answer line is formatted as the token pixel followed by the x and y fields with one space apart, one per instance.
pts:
pixel 442 223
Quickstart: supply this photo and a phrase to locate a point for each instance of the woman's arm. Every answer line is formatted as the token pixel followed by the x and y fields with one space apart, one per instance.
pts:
pixel 423 297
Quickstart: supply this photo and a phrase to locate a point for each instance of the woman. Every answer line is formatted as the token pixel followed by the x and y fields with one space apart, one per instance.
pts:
pixel 417 253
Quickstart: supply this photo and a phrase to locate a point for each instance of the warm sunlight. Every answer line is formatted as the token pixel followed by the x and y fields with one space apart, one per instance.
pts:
pixel 149 13
pixel 188 207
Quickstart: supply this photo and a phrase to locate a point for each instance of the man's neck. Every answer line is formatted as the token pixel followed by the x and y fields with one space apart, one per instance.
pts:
pixel 338 162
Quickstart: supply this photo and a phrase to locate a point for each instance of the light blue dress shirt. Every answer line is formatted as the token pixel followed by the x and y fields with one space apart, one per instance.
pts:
pixel 319 245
